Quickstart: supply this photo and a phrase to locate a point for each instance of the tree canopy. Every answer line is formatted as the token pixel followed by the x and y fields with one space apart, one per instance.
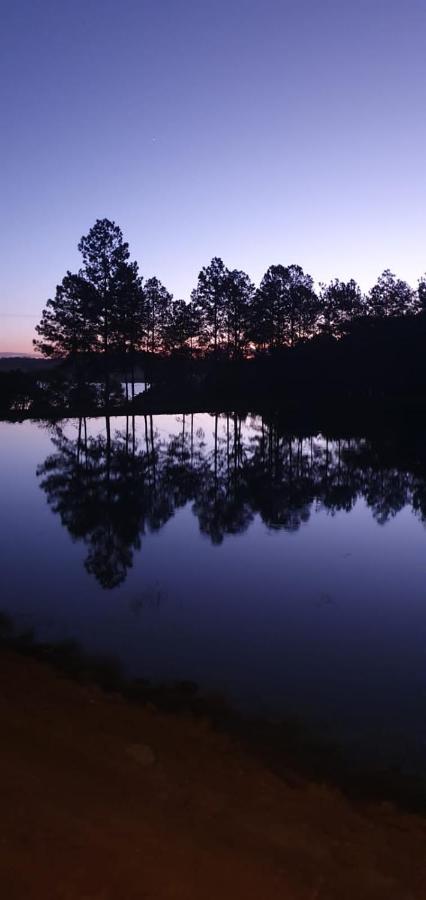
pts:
pixel 107 308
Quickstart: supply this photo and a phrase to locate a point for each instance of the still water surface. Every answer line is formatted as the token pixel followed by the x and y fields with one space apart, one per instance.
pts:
pixel 287 574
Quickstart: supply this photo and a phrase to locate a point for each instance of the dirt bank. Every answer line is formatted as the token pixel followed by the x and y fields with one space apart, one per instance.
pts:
pixel 103 800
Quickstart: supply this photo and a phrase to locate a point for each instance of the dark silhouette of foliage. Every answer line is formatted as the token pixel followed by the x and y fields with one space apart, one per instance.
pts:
pixel 209 301
pixel 105 308
pixel 181 328
pixel 421 294
pixel 128 319
pixel 232 344
pixel 158 305
pixel 66 328
pixel 340 304
pixel 285 309
pixel 239 295
pixel 105 260
pixel 391 297
pixel 98 310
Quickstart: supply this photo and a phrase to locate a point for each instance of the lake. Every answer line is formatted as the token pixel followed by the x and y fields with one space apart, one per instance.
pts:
pixel 287 574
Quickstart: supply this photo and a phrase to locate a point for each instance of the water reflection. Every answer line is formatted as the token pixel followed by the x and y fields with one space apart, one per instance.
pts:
pixel 112 486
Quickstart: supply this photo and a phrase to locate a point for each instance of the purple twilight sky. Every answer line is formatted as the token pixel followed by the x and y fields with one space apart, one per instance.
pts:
pixel 262 131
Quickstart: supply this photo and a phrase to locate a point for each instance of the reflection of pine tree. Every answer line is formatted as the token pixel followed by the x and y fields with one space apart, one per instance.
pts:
pixel 385 488
pixel 96 486
pixel 109 490
pixel 221 504
pixel 280 480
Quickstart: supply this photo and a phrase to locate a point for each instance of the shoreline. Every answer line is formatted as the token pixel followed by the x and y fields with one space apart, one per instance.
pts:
pixel 287 747
pixel 307 414
pixel 102 798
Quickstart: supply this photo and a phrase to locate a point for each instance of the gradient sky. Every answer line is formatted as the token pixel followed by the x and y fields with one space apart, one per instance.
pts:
pixel 262 131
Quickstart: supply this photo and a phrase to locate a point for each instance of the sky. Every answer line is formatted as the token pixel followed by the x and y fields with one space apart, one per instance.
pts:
pixel 261 131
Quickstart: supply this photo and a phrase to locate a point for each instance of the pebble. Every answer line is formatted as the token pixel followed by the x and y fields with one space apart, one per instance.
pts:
pixel 142 754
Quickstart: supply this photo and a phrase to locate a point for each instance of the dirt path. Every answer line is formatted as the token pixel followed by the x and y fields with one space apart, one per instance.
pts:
pixel 102 800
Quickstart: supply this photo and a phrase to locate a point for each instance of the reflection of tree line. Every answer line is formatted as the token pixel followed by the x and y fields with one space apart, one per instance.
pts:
pixel 109 490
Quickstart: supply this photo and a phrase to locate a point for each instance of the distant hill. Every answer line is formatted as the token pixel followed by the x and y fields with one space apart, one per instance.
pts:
pixel 5 355
pixel 9 363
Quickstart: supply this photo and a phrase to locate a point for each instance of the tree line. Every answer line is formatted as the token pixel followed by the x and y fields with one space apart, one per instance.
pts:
pixel 108 309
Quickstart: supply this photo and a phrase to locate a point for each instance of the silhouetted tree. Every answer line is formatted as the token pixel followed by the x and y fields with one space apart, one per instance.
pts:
pixel 340 303
pixel 285 308
pixel 128 318
pixel 106 313
pixel 180 328
pixel 66 328
pixel 421 293
pixel 391 297
pixel 209 302
pixel 238 298
pixel 105 256
pixel 157 305
pixel 84 315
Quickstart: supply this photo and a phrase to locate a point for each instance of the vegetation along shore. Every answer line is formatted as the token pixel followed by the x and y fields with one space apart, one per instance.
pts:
pixel 281 345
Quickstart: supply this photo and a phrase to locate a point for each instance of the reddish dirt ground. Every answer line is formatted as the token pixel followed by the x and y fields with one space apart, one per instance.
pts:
pixel 104 800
